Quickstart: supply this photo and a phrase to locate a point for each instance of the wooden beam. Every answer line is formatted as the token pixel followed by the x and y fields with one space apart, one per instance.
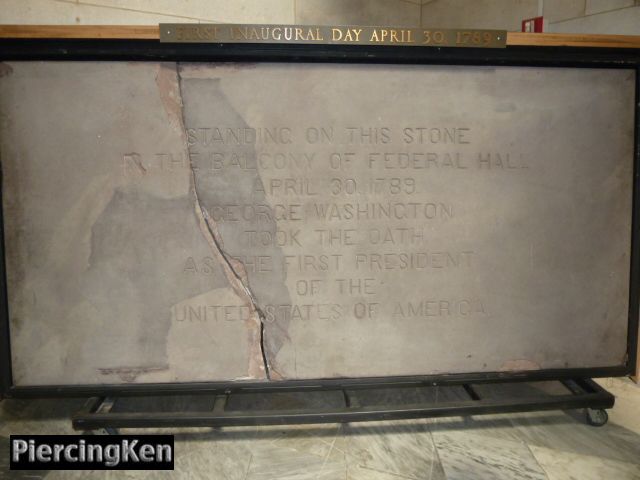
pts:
pixel 140 32
pixel 572 40
pixel 152 32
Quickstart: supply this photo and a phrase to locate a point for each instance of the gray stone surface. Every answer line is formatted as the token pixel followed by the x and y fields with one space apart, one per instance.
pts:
pixel 99 227
pixel 625 21
pixel 491 14
pixel 559 11
pixel 598 6
pixel 401 13
pixel 186 223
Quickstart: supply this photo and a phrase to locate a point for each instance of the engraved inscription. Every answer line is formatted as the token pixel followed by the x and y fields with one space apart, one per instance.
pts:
pixel 249 222
pixel 212 33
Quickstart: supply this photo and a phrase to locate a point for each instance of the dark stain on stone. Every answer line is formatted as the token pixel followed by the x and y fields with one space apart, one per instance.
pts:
pixel 5 70
pixel 136 159
pixel 234 65
pixel 240 65
pixel 129 374
pixel 135 277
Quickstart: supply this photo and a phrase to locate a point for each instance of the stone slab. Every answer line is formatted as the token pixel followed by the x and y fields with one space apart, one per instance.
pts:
pixel 194 222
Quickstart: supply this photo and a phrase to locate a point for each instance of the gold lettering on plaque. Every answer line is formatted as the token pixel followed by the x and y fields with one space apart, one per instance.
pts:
pixel 213 33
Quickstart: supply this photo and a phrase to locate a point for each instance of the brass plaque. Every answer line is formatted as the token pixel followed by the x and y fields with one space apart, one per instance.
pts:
pixel 335 35
pixel 250 221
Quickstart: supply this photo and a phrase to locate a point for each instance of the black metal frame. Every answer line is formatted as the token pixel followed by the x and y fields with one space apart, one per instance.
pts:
pixel 153 50
pixel 581 393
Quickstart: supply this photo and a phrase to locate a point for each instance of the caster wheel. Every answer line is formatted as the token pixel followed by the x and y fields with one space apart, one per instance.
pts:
pixel 597 417
pixel 111 431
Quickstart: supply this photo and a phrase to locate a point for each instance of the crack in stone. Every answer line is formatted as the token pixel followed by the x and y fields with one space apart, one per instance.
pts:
pixel 212 236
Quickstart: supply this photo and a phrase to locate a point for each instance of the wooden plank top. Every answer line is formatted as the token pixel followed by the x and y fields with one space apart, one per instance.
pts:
pixel 152 32
pixel 132 32
pixel 572 40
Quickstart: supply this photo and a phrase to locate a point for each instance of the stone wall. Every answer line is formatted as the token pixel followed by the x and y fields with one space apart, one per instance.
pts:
pixel 398 12
pixel 593 16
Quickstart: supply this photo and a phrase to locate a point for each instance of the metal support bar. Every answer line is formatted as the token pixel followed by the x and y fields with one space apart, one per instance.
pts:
pixel 584 394
pixel 471 391
pixel 91 405
pixel 347 399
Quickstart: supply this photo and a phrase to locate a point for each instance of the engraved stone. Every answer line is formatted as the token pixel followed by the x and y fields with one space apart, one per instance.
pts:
pixel 200 222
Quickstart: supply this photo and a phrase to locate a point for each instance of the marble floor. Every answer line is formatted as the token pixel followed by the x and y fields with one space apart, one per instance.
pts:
pixel 543 445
